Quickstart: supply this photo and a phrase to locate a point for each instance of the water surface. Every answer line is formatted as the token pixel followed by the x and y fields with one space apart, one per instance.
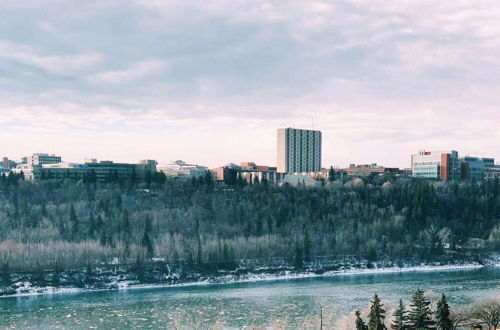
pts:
pixel 237 305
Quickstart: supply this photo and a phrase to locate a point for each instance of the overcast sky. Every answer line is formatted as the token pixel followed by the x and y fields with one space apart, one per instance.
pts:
pixel 211 81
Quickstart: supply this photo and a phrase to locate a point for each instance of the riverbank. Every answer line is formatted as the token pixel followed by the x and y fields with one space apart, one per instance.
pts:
pixel 160 274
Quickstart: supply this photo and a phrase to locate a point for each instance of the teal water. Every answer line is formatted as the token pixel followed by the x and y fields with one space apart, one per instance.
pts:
pixel 237 305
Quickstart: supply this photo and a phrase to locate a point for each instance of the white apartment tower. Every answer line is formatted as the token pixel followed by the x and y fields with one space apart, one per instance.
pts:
pixel 299 150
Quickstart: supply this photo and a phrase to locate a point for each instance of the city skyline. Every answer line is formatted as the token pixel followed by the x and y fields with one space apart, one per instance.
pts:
pixel 210 82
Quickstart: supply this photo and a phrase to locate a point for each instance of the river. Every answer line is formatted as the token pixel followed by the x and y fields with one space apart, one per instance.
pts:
pixel 233 306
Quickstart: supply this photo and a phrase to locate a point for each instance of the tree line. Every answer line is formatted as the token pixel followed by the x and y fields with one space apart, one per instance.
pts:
pixel 421 316
pixel 75 223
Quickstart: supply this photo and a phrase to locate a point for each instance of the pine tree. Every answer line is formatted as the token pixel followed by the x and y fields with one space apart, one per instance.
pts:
pixel 147 244
pixel 376 316
pixel 420 313
pixel 331 174
pixel 443 320
pixel 307 247
pixel 297 260
pixel 74 223
pixel 360 324
pixel 400 317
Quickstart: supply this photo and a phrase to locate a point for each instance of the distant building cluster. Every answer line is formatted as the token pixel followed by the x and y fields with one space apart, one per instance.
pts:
pixel 447 165
pixel 298 163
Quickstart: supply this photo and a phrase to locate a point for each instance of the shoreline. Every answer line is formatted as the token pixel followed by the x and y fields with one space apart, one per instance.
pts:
pixel 252 278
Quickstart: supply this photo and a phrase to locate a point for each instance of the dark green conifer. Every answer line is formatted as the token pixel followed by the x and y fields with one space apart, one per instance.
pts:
pixel 419 316
pixel 376 316
pixel 360 324
pixel 443 319
pixel 400 317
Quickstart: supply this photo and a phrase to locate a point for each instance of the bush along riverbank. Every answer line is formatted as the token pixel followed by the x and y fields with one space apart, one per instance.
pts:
pixel 159 273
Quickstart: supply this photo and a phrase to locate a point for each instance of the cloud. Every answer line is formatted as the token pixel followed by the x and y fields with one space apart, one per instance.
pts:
pixel 55 64
pixel 134 72
pixel 382 79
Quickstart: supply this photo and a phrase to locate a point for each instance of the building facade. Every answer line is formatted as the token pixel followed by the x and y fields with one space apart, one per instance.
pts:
pixel 369 169
pixel 439 165
pixel 299 150
pixel 448 166
pixel 181 169
pixel 249 172
pixel 41 159
pixel 474 168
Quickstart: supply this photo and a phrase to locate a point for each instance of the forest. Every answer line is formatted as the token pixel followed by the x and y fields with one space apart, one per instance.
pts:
pixel 69 224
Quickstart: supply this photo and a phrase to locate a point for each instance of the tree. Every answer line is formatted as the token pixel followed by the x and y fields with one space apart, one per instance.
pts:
pixel 360 324
pixel 331 174
pixel 488 311
pixel 376 316
pixel 74 223
pixel 297 260
pixel 460 316
pixel 400 317
pixel 307 247
pixel 442 314
pixel 420 313
pixel 147 244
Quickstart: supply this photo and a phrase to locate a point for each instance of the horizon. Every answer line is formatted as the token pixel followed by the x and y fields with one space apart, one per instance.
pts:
pixel 210 83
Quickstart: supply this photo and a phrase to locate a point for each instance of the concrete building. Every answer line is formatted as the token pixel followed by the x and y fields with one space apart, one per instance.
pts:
pixel 439 165
pixel 105 170
pixel 7 163
pixel 41 159
pixel 299 151
pixel 252 173
pixel 59 171
pixel 181 169
pixel 369 169
pixel 248 171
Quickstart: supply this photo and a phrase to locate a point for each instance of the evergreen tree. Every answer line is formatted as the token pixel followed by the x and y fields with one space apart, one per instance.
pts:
pixel 127 229
pixel 442 314
pixel 74 223
pixel 331 174
pixel 147 244
pixel 376 316
pixel 148 225
pixel 360 324
pixel 297 260
pixel 91 226
pixel 307 247
pixel 103 240
pixel 400 317
pixel 419 316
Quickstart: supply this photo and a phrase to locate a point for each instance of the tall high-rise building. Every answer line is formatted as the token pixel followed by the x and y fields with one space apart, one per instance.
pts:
pixel 299 150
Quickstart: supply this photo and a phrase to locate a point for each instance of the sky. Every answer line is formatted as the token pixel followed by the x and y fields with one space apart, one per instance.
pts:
pixel 210 82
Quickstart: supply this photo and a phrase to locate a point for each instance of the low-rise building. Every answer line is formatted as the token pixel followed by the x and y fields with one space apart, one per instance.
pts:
pixel 492 173
pixel 180 168
pixel 248 171
pixel 439 165
pixel 474 168
pixel 39 159
pixel 369 169
pixel 449 166
pixel 106 171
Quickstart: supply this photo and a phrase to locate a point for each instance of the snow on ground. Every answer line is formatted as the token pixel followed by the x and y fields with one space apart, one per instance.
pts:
pixel 26 289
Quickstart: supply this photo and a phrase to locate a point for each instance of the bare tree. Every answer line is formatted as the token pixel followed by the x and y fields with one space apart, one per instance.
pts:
pixel 488 311
pixel 460 316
